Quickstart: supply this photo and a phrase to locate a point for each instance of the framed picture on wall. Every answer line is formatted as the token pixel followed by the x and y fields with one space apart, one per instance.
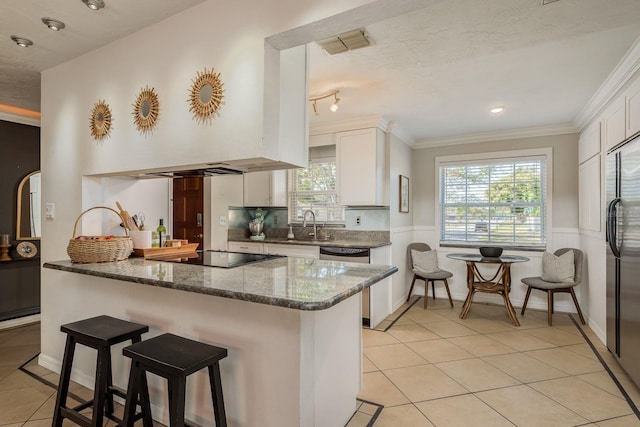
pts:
pixel 404 193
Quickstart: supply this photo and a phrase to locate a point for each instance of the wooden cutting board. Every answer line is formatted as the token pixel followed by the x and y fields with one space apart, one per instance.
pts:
pixel 175 250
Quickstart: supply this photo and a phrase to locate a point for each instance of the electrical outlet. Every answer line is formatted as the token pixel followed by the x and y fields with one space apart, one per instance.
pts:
pixel 358 220
pixel 275 220
pixel 223 220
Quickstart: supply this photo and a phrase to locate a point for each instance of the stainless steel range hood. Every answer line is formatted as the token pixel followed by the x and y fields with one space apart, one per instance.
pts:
pixel 237 167
pixel 212 171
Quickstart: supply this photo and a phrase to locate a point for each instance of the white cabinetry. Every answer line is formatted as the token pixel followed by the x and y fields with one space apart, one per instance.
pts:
pixel 360 157
pixel 589 200
pixel 633 108
pixel 297 251
pixel 614 123
pixel 380 293
pixel 267 188
pixel 246 247
pixel 589 143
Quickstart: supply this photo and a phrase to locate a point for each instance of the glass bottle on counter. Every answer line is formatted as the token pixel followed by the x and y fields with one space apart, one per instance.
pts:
pixel 155 241
pixel 161 233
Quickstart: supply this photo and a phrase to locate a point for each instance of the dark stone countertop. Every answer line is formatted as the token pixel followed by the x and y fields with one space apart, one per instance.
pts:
pixel 296 283
pixel 319 242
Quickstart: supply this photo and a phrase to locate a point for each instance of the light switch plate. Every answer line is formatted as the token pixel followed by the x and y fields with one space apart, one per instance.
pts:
pixel 50 210
pixel 223 220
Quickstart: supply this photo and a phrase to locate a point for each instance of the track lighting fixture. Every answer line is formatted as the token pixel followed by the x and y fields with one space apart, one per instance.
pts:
pixel 334 106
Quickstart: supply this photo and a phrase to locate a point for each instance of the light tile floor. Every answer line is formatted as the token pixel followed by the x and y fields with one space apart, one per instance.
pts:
pixel 429 369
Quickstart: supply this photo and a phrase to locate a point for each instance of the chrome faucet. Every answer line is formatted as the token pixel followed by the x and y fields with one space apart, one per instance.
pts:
pixel 304 223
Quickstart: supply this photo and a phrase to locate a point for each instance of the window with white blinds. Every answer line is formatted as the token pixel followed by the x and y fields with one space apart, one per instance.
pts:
pixel 315 188
pixel 500 201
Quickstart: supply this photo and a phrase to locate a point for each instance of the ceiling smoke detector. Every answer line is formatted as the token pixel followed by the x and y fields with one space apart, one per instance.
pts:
pixel 344 42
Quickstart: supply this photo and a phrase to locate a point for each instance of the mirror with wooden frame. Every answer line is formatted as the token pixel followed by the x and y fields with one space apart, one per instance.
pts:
pixel 29 202
pixel 146 109
pixel 206 95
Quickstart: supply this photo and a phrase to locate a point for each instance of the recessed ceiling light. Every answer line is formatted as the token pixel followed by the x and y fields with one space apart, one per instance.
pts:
pixel 53 24
pixel 496 110
pixel 21 41
pixel 94 4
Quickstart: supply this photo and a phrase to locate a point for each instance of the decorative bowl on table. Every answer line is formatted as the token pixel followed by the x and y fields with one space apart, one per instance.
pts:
pixel 491 251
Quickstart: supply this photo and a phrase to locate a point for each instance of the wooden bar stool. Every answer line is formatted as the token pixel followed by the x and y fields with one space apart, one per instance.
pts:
pixel 101 333
pixel 174 358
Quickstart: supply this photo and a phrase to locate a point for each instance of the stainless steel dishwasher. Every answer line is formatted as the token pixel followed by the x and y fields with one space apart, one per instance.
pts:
pixel 360 255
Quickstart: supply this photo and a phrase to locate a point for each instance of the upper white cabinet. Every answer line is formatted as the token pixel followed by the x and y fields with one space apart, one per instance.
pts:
pixel 360 158
pixel 589 142
pixel 590 206
pixel 633 108
pixel 614 123
pixel 268 188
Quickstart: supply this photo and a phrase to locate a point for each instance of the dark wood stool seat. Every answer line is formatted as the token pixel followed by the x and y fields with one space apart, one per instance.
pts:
pixel 174 358
pixel 100 333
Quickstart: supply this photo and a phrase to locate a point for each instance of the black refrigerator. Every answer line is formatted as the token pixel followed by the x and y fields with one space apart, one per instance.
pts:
pixel 623 255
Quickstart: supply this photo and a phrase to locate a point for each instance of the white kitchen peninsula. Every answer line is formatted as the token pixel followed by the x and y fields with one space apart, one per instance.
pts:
pixel 291 325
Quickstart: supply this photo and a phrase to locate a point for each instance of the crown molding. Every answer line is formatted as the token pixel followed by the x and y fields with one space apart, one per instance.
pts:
pixel 349 124
pixel 399 133
pixel 621 74
pixel 558 129
pixel 17 118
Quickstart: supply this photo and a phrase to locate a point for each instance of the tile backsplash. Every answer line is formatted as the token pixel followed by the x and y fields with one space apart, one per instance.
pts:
pixel 370 218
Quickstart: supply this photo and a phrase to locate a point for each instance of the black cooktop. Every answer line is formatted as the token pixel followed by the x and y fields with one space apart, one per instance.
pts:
pixel 221 259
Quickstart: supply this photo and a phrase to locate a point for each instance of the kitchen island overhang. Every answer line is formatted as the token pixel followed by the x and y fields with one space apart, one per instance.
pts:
pixel 292 327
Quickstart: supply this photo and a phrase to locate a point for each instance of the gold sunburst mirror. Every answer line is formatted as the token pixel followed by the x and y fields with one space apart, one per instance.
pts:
pixel 100 120
pixel 206 95
pixel 146 109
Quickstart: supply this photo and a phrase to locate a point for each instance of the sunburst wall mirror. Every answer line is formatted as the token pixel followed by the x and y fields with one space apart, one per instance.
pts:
pixel 206 95
pixel 100 120
pixel 146 109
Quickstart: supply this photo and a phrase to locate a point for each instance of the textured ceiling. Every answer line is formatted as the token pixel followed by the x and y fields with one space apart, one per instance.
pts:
pixel 436 72
pixel 85 30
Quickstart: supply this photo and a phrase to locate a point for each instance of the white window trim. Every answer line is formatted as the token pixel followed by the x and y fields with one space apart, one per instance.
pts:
pixel 547 153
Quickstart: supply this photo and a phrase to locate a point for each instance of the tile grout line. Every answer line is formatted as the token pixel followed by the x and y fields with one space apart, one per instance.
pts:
pixel 47 382
pixel 626 396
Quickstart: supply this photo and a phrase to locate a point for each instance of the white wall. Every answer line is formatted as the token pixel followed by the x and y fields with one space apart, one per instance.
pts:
pixel 565 175
pixel 224 191
pixel 401 232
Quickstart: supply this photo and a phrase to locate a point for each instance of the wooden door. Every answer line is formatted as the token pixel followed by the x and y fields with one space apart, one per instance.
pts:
pixel 188 209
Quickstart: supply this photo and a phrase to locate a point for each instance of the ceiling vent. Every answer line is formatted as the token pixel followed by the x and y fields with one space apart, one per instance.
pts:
pixel 545 2
pixel 350 40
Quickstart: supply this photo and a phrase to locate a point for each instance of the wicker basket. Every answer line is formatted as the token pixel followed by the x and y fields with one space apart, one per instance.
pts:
pixel 87 251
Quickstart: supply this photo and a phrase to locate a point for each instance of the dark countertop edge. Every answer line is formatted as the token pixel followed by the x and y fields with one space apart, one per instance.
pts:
pixel 326 243
pixel 278 302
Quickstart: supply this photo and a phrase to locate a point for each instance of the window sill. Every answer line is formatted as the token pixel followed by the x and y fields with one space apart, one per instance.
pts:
pixel 506 248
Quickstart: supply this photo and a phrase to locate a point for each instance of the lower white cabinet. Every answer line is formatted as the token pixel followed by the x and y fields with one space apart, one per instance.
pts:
pixel 380 293
pixel 296 251
pixel 246 247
